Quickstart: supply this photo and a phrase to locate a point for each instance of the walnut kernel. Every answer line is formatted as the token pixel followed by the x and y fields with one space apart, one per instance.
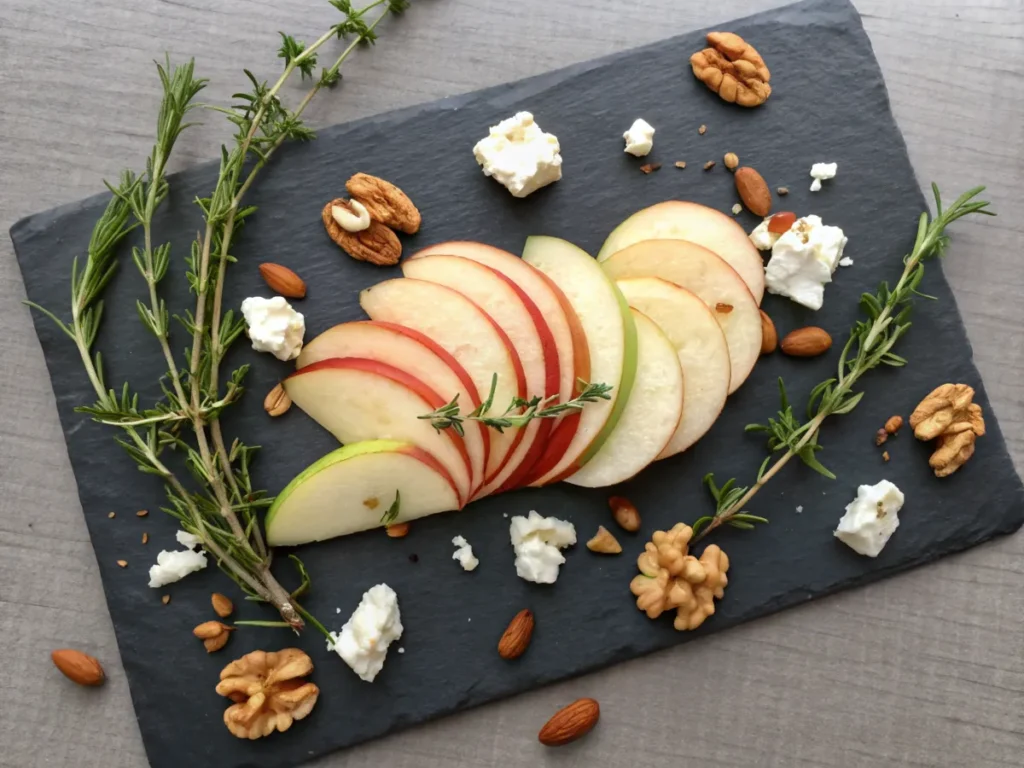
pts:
pixel 268 692
pixel 948 414
pixel 733 69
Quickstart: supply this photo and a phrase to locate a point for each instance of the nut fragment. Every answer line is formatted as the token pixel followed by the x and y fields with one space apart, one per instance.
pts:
pixel 123 563
pixel 702 130
pixel 885 455
pixel 111 515
pixel 283 281
pixel 782 191
pixel 397 530
pixel 214 634
pixel 351 215
pixel 625 513
pixel 893 424
pixel 949 415
pixel 881 436
pixel 709 165
pixel 604 542
pixel 386 203
pixel 731 160
pixel 516 638
pixel 78 667
pixel 376 244
pixel 753 191
pixel 806 342
pixel 733 69
pixel 165 599
pixel 222 605
pixel 277 401
pixel 680 164
pixel 570 723
pixel 268 692
pixel 650 167
pixel 769 336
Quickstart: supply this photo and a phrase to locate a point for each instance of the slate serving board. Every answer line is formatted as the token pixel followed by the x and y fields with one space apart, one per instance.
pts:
pixel 829 104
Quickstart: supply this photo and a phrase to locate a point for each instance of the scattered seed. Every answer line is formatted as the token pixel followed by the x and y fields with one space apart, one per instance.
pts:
pixel 142 513
pixel 893 424
pixel 165 599
pixel 881 436
pixel 680 164
pixel 723 309
pixel 885 455
pixel 737 209
pixel 731 160
pixel 145 538
pixel 650 167
pixel 782 191
pixel 709 165
pixel 702 130
pixel 111 515
pixel 123 563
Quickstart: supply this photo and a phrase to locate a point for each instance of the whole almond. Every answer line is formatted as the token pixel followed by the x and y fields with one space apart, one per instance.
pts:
pixel 806 342
pixel 78 667
pixel 516 639
pixel 222 605
pixel 625 513
pixel 214 644
pixel 769 336
pixel 570 723
pixel 753 191
pixel 277 401
pixel 283 281
pixel 209 629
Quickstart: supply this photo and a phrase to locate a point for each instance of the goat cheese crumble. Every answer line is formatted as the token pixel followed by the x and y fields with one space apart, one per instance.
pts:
pixel 871 518
pixel 274 327
pixel 464 554
pixel 821 172
pixel 363 641
pixel 537 542
pixel 519 155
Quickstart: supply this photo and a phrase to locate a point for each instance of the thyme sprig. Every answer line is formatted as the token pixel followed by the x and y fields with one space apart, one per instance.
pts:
pixel 520 411
pixel 871 342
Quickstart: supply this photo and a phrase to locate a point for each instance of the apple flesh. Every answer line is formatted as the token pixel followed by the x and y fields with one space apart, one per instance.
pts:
pixel 466 332
pixel 680 220
pixel 415 354
pixel 700 344
pixel 524 325
pixel 351 488
pixel 650 417
pixel 611 340
pixel 357 399
pixel 716 283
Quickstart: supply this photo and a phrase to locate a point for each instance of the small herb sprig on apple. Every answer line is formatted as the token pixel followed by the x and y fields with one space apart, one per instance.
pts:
pixel 519 413
pixel 870 345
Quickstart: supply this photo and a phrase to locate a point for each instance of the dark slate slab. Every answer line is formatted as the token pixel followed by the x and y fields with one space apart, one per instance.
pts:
pixel 830 103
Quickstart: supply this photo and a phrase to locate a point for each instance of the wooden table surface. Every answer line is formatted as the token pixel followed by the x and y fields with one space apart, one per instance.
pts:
pixel 926 669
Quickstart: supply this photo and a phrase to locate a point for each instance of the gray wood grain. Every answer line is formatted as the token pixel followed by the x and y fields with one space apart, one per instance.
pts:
pixel 926 669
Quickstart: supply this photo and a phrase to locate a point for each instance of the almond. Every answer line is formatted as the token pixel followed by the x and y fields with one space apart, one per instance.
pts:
pixel 625 513
pixel 806 342
pixel 209 629
pixel 753 191
pixel 283 281
pixel 78 667
pixel 604 542
pixel 570 723
pixel 769 336
pixel 222 605
pixel 277 401
pixel 516 639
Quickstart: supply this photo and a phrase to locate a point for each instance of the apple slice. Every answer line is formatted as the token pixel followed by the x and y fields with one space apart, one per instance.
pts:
pixel 469 334
pixel 571 342
pixel 525 327
pixel 699 270
pixel 351 488
pixel 649 419
pixel 413 353
pixel 358 399
pixel 679 220
pixel 703 354
pixel 611 340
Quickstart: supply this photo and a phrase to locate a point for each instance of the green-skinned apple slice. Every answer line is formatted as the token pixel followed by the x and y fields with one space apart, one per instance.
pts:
pixel 413 353
pixel 358 399
pixel 469 334
pixel 524 325
pixel 680 220
pixel 650 417
pixel 611 341
pixel 716 283
pixel 351 488
pixel 703 354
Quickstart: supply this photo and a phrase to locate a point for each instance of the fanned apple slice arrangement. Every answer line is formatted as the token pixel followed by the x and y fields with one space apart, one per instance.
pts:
pixel 666 320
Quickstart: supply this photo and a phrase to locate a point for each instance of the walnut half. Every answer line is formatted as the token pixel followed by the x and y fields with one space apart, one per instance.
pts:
pixel 948 415
pixel 733 69
pixel 268 691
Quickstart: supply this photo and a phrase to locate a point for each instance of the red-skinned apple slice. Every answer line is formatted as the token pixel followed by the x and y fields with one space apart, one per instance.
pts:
pixel 351 488
pixel 357 399
pixel 414 353
pixel 703 353
pixel 524 325
pixel 650 417
pixel 469 334
pixel 573 352
pixel 611 340
pixel 704 273
pixel 680 220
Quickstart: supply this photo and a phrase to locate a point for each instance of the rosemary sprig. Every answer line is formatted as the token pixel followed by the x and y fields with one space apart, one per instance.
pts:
pixel 870 345
pixel 393 511
pixel 519 413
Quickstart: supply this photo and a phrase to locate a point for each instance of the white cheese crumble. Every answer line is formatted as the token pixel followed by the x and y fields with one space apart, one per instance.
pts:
pixel 803 260
pixel 639 138
pixel 274 326
pixel 519 155
pixel 464 554
pixel 363 641
pixel 846 261
pixel 871 518
pixel 174 566
pixel 537 541
pixel 187 539
pixel 762 239
pixel 821 172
